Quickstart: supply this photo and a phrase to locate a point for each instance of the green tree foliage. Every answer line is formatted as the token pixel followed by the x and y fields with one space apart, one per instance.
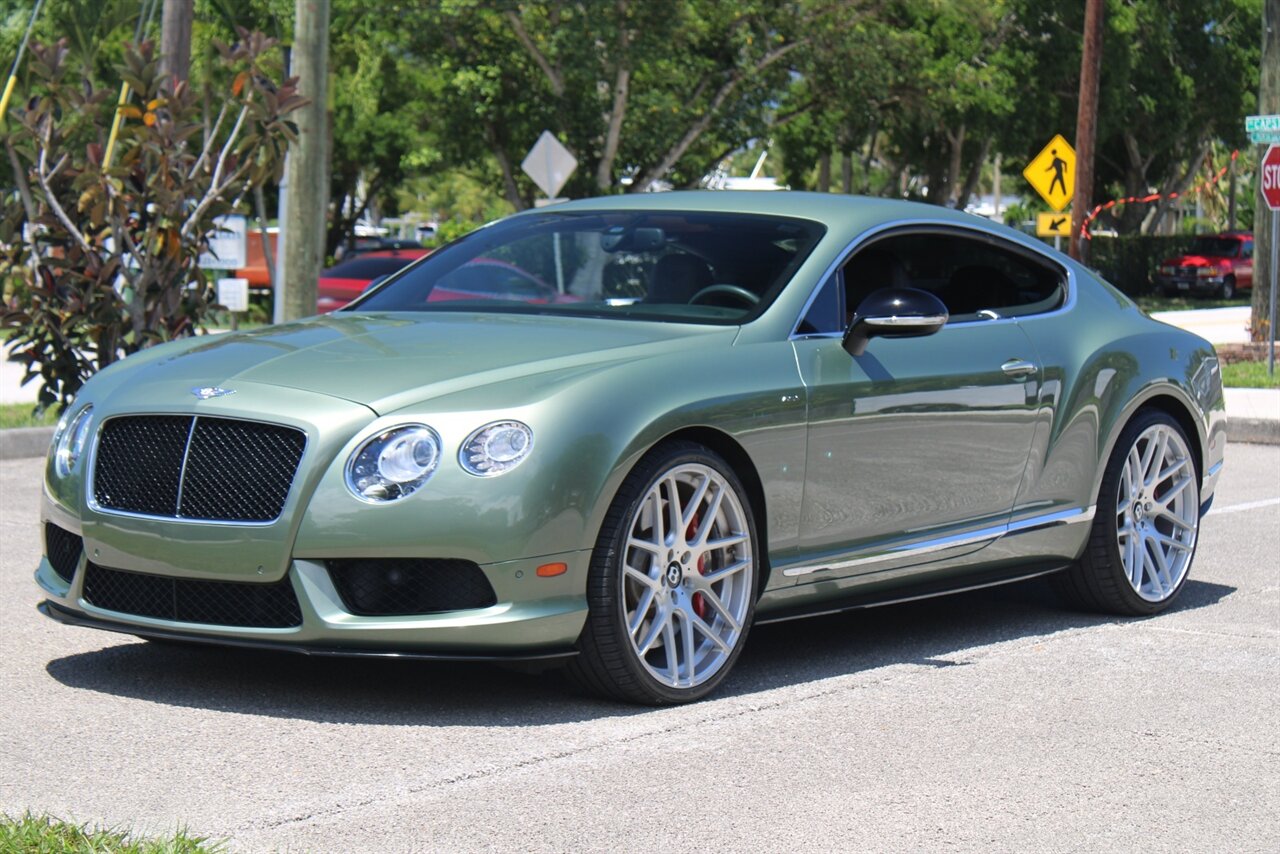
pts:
pixel 1176 76
pixel 100 258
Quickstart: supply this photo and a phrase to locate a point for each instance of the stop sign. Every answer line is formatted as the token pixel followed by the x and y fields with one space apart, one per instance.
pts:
pixel 1271 177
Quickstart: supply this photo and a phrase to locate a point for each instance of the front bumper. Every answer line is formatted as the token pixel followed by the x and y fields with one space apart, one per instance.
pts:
pixel 534 617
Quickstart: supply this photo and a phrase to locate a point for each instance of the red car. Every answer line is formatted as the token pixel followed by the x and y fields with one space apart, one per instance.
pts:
pixel 483 278
pixel 345 281
pixel 1220 265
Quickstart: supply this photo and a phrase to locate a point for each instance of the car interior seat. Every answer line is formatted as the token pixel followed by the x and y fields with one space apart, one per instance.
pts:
pixel 677 277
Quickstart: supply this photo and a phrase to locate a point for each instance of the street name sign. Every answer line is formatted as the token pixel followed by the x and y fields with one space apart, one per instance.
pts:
pixel 1262 137
pixel 1270 167
pixel 1052 173
pixel 1261 124
pixel 1053 224
pixel 549 164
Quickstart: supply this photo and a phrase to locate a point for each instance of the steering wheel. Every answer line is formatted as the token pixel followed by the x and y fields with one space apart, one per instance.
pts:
pixel 728 290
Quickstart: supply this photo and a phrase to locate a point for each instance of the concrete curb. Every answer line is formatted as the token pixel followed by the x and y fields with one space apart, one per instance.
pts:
pixel 1260 431
pixel 20 442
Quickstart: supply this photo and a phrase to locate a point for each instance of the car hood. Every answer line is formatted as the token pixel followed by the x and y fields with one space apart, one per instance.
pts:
pixel 1197 261
pixel 387 361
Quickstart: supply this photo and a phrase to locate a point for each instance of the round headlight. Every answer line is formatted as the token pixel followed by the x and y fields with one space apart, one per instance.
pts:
pixel 496 448
pixel 70 445
pixel 393 464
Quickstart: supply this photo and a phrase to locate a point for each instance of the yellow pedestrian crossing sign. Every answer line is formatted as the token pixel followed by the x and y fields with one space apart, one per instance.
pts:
pixel 1053 173
pixel 1053 224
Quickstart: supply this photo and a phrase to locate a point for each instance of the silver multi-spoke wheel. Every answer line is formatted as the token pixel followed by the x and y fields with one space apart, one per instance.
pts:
pixel 688 576
pixel 1157 512
pixel 1143 536
pixel 673 581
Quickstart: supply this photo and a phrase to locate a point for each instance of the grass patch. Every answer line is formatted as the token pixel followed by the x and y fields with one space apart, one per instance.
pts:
pixel 1250 375
pixel 1157 302
pixel 51 836
pixel 23 415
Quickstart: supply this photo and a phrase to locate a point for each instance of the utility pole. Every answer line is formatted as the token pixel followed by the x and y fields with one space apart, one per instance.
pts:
pixel 175 41
pixel 1086 122
pixel 1268 104
pixel 308 167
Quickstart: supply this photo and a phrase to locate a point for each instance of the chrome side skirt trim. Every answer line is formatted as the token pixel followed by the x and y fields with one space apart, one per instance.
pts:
pixel 1070 516
pixel 909 597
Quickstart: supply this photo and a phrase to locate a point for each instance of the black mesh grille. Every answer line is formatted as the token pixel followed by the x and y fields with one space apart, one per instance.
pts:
pixel 236 471
pixel 63 550
pixel 399 587
pixel 185 600
pixel 139 463
pixel 239 470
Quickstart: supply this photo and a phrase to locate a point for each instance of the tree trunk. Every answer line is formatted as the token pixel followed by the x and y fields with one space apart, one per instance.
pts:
pixel 824 172
pixel 308 167
pixel 175 41
pixel 1268 104
pixel 974 175
pixel 956 143
pixel 1174 190
pixel 846 172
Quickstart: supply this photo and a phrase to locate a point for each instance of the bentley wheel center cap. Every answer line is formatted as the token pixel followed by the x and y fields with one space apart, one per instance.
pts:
pixel 674 574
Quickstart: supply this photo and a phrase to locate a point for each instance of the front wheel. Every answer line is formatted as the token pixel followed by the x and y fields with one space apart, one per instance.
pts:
pixel 1228 289
pixel 1146 525
pixel 672 584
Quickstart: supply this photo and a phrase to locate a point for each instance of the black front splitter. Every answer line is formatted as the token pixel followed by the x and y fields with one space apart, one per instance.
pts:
pixel 54 611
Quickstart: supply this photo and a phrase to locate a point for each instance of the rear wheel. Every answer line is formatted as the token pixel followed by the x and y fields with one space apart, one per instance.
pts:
pixel 672 585
pixel 1148 517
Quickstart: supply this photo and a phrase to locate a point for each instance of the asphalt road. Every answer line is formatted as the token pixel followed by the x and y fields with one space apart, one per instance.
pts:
pixel 993 720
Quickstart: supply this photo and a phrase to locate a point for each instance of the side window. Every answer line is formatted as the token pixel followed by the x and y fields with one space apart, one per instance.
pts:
pixel 969 274
pixel 1248 249
pixel 825 314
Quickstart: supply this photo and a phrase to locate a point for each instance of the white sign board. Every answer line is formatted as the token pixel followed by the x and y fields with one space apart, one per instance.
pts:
pixel 549 164
pixel 233 294
pixel 228 244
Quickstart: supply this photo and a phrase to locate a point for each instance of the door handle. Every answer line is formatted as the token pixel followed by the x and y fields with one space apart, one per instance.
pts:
pixel 1018 368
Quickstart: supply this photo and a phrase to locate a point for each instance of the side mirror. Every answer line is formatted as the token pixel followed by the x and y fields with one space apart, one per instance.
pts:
pixel 894 313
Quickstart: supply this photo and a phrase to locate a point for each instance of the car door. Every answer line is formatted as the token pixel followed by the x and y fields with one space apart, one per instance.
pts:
pixel 916 448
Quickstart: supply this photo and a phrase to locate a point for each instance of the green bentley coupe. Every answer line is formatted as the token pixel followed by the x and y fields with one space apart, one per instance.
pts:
pixel 620 431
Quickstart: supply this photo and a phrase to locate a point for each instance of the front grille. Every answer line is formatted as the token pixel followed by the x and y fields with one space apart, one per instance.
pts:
pixel 217 469
pixel 187 600
pixel 404 586
pixel 63 549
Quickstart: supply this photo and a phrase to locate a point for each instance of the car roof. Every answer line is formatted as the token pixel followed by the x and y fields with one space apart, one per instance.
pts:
pixel 832 209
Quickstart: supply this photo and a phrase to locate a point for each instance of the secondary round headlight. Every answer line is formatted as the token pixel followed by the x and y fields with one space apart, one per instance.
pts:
pixel 394 464
pixel 70 445
pixel 496 448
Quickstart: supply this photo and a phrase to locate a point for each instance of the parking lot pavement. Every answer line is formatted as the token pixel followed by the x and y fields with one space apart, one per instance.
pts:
pixel 993 720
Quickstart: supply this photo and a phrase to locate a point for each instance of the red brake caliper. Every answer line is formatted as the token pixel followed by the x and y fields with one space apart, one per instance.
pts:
pixel 699 601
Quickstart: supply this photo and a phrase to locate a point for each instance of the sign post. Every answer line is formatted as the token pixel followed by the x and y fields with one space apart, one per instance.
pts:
pixel 1269 171
pixel 550 164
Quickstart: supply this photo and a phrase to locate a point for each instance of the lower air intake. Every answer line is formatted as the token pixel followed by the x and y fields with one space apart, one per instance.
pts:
pixel 407 586
pixel 63 549
pixel 188 600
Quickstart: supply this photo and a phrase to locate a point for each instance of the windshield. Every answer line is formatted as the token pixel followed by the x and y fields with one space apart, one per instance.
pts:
pixel 686 267
pixel 1222 246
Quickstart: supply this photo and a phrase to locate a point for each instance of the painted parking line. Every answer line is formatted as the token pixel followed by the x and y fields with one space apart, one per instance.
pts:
pixel 1240 508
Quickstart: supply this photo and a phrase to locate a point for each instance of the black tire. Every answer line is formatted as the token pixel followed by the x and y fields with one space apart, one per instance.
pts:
pixel 1228 288
pixel 608 662
pixel 1097 581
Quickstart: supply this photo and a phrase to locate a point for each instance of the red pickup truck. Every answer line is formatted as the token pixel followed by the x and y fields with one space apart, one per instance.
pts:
pixel 1221 265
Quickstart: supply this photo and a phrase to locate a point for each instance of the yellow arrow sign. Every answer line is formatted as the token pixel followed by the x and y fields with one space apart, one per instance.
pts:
pixel 1053 173
pixel 1053 224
